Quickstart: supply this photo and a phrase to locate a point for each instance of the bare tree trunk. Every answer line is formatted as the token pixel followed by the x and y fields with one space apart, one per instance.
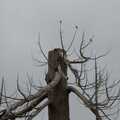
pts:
pixel 98 117
pixel 58 109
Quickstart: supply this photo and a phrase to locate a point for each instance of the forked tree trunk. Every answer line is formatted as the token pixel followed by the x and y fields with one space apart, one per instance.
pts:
pixel 58 109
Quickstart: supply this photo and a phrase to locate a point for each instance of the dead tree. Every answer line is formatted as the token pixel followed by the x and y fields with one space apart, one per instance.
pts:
pixel 95 92
pixel 57 96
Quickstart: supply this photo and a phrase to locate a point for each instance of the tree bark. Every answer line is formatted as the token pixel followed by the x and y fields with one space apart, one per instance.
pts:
pixel 58 109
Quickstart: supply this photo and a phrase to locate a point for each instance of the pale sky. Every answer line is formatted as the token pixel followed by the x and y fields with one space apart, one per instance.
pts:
pixel 21 20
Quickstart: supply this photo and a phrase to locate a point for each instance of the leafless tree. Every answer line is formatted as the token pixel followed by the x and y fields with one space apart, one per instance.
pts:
pixel 91 85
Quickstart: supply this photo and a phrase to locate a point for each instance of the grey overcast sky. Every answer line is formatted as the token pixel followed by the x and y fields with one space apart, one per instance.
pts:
pixel 21 20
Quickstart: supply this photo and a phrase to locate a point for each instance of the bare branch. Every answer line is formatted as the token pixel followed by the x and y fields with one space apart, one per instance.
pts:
pixel 19 90
pixel 39 44
pixel 84 99
pixel 38 110
pixel 71 43
pixel 36 98
pixel 1 91
pixel 61 37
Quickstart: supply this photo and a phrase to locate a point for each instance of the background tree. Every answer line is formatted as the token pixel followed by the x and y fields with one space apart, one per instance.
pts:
pixel 91 84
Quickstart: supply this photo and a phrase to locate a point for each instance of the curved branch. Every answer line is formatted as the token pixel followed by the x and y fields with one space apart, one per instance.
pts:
pixel 71 43
pixel 88 104
pixel 39 44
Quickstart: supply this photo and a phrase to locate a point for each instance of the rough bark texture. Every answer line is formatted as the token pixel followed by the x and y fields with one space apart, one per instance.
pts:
pixel 58 109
